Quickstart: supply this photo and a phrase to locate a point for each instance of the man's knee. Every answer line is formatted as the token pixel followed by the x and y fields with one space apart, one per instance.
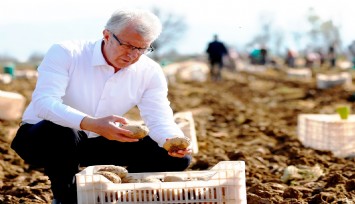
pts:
pixel 186 161
pixel 38 143
pixel 182 163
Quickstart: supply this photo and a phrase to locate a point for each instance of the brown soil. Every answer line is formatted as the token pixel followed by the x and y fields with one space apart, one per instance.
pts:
pixel 248 117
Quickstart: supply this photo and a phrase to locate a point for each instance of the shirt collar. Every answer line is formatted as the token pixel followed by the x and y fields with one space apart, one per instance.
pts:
pixel 98 58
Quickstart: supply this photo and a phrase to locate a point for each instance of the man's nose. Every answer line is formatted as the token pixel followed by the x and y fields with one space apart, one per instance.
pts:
pixel 133 53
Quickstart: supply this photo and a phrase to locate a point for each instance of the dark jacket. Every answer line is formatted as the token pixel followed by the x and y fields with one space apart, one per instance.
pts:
pixel 216 50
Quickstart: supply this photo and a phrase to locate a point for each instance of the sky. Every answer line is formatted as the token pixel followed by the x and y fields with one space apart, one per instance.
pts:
pixel 32 26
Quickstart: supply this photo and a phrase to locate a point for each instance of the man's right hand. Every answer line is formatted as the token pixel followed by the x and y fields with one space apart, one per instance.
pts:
pixel 108 127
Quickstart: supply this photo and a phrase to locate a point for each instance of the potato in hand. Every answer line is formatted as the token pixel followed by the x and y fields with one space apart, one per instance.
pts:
pixel 177 143
pixel 139 131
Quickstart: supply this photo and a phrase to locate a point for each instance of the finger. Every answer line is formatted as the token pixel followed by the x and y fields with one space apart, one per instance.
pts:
pixel 175 154
pixel 179 153
pixel 184 151
pixel 120 119
pixel 122 130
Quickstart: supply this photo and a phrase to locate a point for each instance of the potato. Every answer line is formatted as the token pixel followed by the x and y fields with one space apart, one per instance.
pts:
pixel 150 180
pixel 139 131
pixel 173 179
pixel 118 170
pixel 130 179
pixel 176 143
pixel 114 178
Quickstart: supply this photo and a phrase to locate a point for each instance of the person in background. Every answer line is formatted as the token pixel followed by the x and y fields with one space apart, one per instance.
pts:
pixel 352 53
pixel 83 90
pixel 263 55
pixel 290 57
pixel 351 48
pixel 216 50
pixel 322 57
pixel 332 56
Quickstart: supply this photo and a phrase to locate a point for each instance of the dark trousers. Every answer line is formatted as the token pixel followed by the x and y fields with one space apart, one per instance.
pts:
pixel 216 66
pixel 61 151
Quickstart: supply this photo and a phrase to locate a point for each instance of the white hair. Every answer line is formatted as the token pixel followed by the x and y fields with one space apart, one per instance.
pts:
pixel 145 22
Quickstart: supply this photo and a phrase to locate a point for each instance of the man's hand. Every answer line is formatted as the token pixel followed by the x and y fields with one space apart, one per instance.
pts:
pixel 177 146
pixel 180 153
pixel 108 127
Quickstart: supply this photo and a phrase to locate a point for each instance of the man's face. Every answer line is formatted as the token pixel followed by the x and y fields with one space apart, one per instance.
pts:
pixel 123 49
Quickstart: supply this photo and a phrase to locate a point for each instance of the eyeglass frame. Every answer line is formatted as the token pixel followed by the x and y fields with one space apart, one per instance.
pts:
pixel 133 48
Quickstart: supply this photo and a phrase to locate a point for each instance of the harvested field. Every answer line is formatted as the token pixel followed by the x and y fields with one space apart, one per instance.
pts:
pixel 249 117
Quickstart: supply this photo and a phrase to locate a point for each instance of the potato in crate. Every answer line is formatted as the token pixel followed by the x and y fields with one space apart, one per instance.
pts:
pixel 223 183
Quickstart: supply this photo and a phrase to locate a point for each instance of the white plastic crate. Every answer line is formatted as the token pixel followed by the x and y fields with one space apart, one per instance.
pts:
pixel 325 81
pixel 224 183
pixel 11 105
pixel 302 73
pixel 328 132
pixel 186 123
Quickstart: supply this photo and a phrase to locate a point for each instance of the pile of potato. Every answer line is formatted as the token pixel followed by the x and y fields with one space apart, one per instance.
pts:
pixel 119 174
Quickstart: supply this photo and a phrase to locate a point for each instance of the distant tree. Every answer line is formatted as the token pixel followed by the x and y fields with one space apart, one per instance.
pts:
pixel 322 33
pixel 35 58
pixel 174 26
pixel 268 36
pixel 330 32
pixel 4 58
pixel 314 21
pixel 263 38
pixel 278 41
pixel 297 38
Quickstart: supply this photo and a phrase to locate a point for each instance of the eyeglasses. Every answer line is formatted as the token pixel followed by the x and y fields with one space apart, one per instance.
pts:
pixel 133 48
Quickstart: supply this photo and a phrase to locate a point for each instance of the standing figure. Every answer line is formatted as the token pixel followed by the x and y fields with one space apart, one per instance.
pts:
pixel 83 90
pixel 290 58
pixel 332 56
pixel 352 52
pixel 216 50
pixel 263 55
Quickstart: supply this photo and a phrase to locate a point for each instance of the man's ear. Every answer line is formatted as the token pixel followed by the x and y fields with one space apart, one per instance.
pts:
pixel 106 33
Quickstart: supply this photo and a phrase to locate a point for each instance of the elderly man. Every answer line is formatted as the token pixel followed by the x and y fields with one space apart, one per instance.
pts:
pixel 83 90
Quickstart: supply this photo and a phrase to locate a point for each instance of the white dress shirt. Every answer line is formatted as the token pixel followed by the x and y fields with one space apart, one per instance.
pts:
pixel 74 81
